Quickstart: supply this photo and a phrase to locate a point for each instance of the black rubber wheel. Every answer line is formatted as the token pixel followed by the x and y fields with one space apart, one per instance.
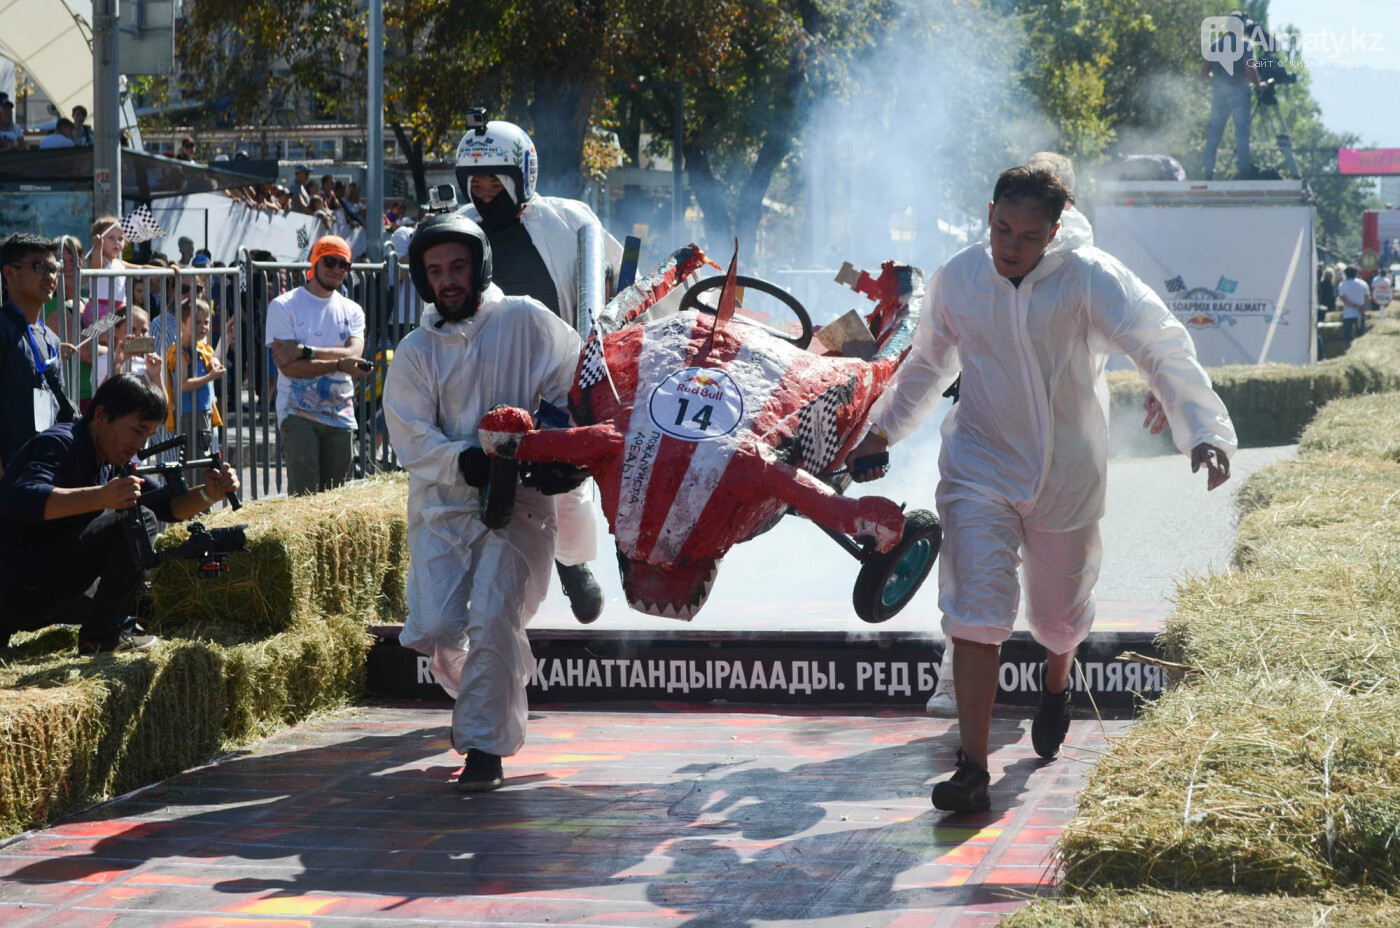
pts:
pixel 691 300
pixel 498 496
pixel 888 581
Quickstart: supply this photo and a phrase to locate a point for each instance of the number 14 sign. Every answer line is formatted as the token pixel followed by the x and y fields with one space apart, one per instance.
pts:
pixel 697 403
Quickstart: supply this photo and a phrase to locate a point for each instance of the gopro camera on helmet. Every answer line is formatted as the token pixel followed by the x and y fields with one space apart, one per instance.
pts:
pixel 476 119
pixel 442 198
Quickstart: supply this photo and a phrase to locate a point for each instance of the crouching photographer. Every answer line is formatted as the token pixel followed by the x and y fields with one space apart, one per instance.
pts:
pixel 66 513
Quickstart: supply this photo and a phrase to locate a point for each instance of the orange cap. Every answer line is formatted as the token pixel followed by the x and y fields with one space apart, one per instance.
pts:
pixel 328 245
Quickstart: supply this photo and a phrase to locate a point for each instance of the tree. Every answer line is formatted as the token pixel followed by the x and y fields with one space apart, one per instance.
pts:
pixel 251 60
pixel 748 94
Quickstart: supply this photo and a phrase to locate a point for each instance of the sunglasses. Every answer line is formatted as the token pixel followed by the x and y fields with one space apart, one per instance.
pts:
pixel 188 145
pixel 335 264
pixel 42 268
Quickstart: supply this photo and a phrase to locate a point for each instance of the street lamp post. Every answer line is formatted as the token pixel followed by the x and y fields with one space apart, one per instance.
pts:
pixel 677 152
pixel 106 111
pixel 374 128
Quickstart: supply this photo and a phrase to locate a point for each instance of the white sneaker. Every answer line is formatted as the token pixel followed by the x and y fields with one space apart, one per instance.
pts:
pixel 943 704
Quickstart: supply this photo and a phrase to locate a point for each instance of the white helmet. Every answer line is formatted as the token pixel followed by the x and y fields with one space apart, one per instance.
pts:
pixel 502 149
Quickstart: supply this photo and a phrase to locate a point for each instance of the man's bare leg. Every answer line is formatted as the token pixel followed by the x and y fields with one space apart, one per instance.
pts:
pixel 1058 669
pixel 976 667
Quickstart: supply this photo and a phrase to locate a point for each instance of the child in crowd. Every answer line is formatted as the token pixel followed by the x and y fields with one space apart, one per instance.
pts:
pixel 147 364
pixel 191 375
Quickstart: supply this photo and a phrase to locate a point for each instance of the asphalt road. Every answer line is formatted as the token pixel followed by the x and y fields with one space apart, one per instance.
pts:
pixel 1161 523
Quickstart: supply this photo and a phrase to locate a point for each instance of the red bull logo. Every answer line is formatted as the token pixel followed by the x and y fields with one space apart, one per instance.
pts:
pixel 1199 321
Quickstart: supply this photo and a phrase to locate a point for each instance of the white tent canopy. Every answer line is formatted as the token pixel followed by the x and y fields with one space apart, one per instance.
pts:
pixel 52 41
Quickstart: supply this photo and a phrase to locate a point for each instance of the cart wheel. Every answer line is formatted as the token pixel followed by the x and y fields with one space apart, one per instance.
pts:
pixel 888 581
pixel 498 496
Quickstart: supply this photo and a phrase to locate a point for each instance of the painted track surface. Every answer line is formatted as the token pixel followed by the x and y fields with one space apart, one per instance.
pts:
pixel 677 818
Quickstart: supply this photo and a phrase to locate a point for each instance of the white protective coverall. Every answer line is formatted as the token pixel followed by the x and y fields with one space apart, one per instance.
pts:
pixel 472 590
pixel 1025 450
pixel 553 224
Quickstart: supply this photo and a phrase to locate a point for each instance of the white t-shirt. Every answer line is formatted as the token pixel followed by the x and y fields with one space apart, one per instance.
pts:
pixel 1382 290
pixel 1354 295
pixel 303 317
pixel 103 288
pixel 54 140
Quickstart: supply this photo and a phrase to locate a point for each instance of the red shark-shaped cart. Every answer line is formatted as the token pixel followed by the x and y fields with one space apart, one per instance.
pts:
pixel 703 424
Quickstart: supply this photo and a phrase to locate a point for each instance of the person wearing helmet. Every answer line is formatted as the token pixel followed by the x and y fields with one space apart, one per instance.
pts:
pixel 534 243
pixel 472 589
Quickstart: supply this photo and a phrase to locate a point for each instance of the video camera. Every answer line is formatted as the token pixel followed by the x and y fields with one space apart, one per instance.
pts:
pixel 207 546
pixel 442 198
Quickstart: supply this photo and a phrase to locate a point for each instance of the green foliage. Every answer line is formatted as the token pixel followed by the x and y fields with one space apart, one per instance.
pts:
pixel 255 59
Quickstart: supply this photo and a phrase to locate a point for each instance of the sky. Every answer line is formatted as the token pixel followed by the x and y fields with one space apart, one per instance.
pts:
pixel 1357 86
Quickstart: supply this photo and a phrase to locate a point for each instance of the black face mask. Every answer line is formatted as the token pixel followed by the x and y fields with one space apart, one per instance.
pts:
pixel 499 212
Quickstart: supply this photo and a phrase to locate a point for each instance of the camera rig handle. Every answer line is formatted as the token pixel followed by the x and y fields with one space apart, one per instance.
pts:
pixel 174 471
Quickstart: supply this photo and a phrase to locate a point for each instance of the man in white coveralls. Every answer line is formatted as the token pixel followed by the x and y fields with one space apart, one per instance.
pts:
pixel 943 702
pixel 1029 318
pixel 471 589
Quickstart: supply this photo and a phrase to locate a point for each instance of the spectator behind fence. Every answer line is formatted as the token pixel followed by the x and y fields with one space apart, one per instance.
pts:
pixel 82 132
pixel 108 295
pixel 142 364
pixel 316 334
pixel 324 217
pixel 1382 291
pixel 58 311
pixel 32 393
pixel 11 134
pixel 190 375
pixel 302 189
pixel 186 246
pixel 1326 294
pixel 1355 296
pixel 186 152
pixel 65 514
pixel 60 137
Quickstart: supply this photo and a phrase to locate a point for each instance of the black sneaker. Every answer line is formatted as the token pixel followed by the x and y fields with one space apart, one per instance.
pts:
pixel 965 790
pixel 116 643
pixel 481 773
pixel 1052 718
pixel 585 595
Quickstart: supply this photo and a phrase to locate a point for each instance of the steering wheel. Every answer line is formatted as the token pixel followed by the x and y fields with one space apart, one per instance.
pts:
pixel 691 300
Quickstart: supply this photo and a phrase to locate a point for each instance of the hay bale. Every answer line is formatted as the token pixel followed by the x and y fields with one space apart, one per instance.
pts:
pixel 1270 404
pixel 1150 909
pixel 1250 782
pixel 1363 427
pixel 344 552
pixel 75 730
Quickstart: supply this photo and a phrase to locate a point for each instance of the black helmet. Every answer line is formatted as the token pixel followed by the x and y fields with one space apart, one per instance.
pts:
pixel 449 227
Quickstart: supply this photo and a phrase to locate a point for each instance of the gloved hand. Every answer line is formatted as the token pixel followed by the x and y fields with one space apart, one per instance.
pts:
pixel 475 466
pixel 552 477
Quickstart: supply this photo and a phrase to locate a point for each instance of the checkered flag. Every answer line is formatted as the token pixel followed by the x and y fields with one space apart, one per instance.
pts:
pixel 1176 285
pixel 140 225
pixel 816 426
pixel 595 362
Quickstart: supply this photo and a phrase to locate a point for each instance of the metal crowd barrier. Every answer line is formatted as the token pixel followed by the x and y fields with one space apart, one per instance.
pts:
pixel 95 315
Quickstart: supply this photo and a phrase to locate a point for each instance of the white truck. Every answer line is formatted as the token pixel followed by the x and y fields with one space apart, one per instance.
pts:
pixel 1234 260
